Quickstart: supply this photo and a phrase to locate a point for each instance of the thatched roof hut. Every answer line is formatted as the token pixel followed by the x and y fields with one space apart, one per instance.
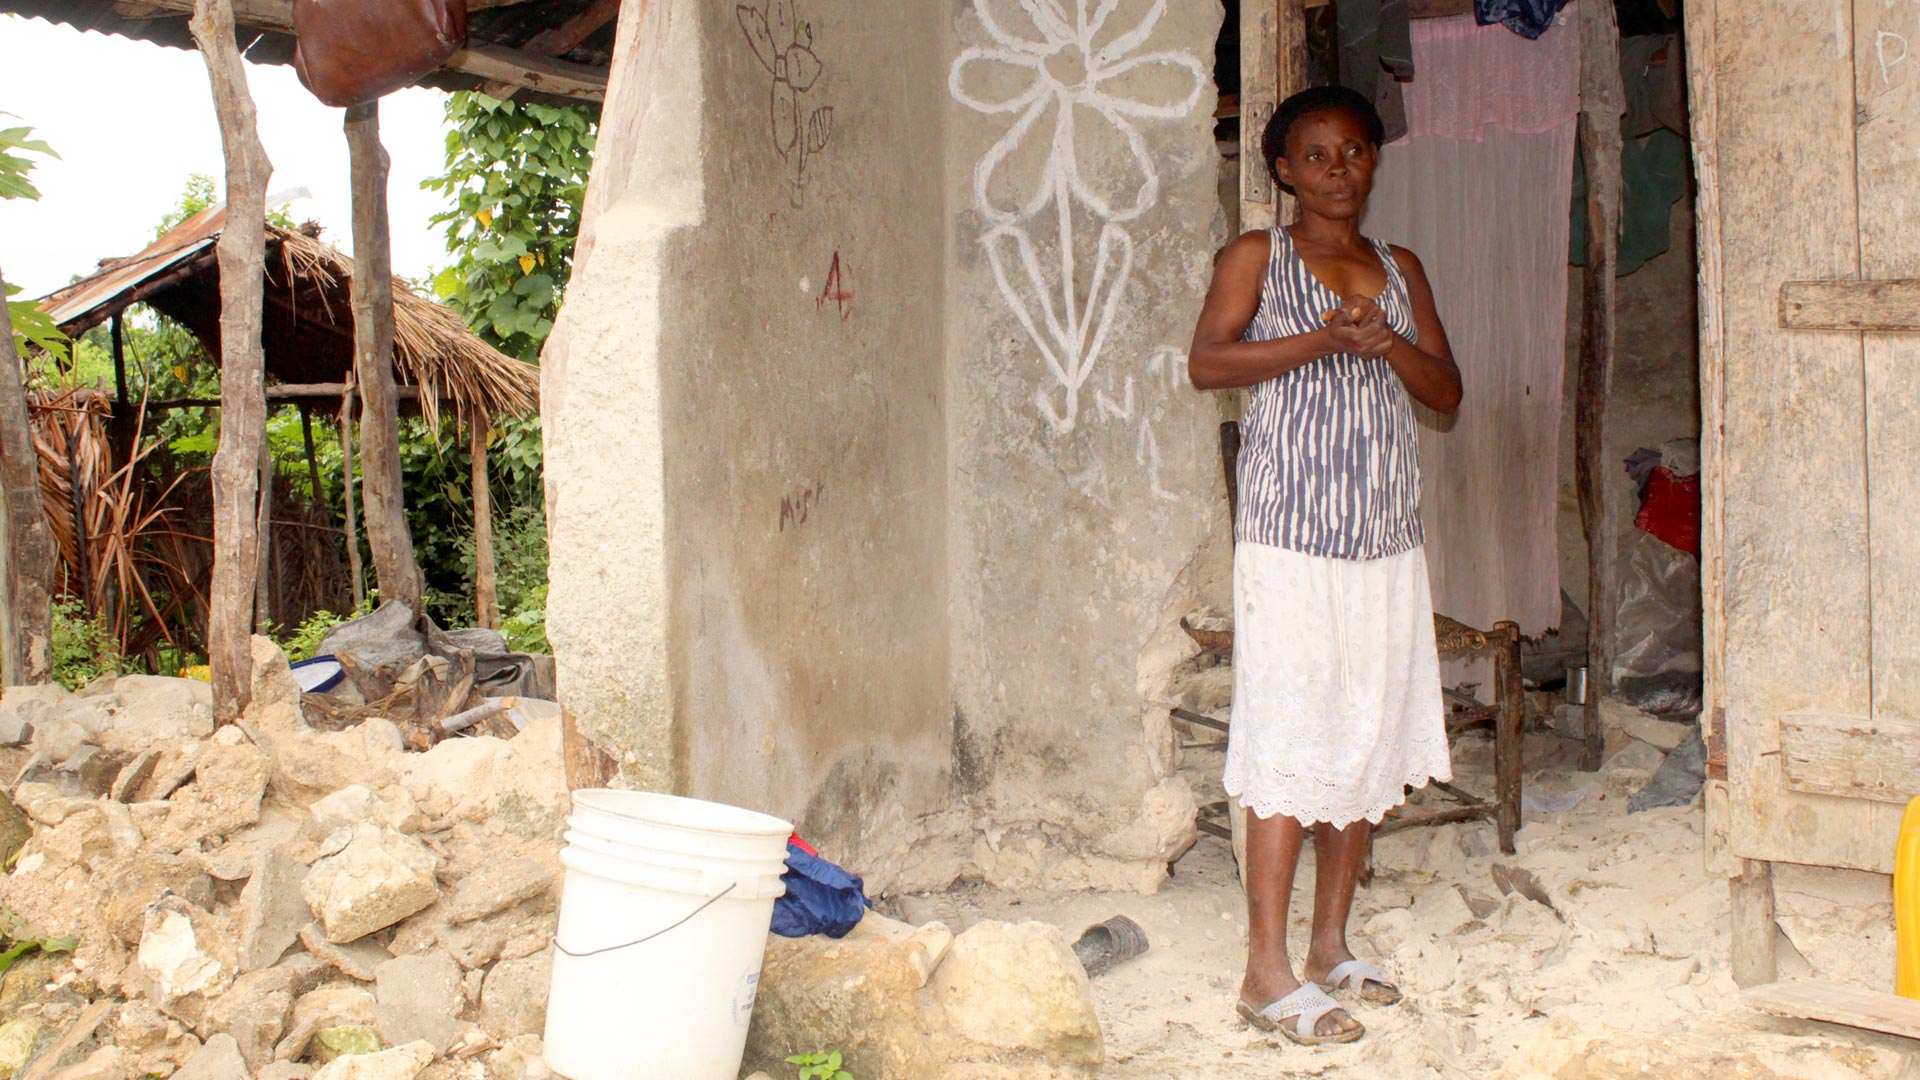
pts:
pixel 308 322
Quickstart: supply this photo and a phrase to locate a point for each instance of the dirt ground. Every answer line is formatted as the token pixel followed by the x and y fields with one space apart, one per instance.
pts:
pixel 1625 974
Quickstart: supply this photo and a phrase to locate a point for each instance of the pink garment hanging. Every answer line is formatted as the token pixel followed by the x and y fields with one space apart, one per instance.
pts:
pixel 1473 77
pixel 1485 207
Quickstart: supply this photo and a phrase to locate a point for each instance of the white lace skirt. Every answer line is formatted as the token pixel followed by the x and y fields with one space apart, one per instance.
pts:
pixel 1336 685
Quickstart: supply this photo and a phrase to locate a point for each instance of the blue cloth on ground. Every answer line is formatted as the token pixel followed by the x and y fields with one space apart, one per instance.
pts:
pixel 821 898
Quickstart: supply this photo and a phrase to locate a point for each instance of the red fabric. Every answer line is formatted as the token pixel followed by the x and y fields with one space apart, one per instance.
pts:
pixel 802 845
pixel 1670 510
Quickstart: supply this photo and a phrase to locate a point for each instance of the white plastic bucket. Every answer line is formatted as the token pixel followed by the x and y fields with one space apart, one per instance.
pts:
pixel 663 925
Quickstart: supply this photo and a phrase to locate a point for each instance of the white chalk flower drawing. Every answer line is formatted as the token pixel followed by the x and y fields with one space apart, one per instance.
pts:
pixel 783 43
pixel 1074 73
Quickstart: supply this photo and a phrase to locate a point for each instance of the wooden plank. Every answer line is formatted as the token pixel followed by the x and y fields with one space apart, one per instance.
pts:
pixel 1259 93
pixel 394 567
pixel 486 605
pixel 347 485
pixel 1838 1003
pixel 243 404
pixel 1755 931
pixel 1885 305
pixel 1793 459
pixel 529 71
pixel 1602 99
pixel 1855 757
pixel 1703 114
pixel 1887 141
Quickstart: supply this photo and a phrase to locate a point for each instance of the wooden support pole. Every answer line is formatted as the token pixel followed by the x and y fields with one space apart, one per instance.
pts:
pixel 1754 930
pixel 354 569
pixel 485 599
pixel 1273 65
pixel 26 537
pixel 313 459
pixel 243 404
pixel 394 567
pixel 1601 102
pixel 263 564
pixel 117 334
pixel 1509 734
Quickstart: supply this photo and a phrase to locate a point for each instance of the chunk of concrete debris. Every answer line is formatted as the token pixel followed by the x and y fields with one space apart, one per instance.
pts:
pixel 17 1038
pixel 399 1063
pixel 358 960
pixel 106 1063
pixel 417 999
pixel 879 995
pixel 522 1057
pixel 186 956
pixel 355 803
pixel 150 709
pixel 496 887
pixel 271 909
pixel 377 879
pixel 15 731
pixel 134 882
pixel 286 1070
pixel 274 702
pixel 15 829
pixel 347 1040
pixel 328 1008
pixel 229 780
pixel 1018 986
pixel 172 772
pixel 255 1013
pixel 134 775
pixel 218 1059
pixel 513 999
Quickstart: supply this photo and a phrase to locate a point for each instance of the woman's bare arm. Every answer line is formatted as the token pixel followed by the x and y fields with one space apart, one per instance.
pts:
pixel 1218 359
pixel 1427 369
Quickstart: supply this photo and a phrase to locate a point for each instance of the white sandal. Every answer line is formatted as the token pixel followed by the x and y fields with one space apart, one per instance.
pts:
pixel 1304 1007
pixel 1355 976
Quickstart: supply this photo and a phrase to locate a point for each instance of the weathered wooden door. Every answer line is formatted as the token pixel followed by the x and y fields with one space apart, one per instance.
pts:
pixel 1807 141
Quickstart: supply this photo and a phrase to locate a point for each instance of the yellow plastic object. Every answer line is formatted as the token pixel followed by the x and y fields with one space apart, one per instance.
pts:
pixel 200 671
pixel 1906 904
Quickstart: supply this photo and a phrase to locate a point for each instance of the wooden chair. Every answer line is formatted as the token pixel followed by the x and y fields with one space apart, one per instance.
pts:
pixel 1453 640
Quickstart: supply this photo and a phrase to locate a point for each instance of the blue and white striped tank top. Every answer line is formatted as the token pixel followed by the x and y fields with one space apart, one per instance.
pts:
pixel 1329 462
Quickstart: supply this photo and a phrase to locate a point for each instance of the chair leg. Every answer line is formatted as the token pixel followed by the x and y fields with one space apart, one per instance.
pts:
pixel 1510 712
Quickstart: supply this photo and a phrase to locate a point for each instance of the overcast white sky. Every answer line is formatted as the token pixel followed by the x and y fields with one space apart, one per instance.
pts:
pixel 132 120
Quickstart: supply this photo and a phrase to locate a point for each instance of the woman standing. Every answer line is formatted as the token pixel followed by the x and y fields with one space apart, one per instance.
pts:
pixel 1336 696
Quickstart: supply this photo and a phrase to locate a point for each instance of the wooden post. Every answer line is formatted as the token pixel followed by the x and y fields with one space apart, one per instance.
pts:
pixel 394 567
pixel 1273 65
pixel 1601 103
pixel 485 601
pixel 1509 733
pixel 313 461
pixel 354 568
pixel 26 538
pixel 263 565
pixel 243 402
pixel 1754 960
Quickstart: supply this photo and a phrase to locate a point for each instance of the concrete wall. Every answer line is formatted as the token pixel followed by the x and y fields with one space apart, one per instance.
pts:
pixel 832 535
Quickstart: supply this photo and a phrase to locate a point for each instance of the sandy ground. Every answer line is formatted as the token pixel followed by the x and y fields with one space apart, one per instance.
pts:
pixel 1624 974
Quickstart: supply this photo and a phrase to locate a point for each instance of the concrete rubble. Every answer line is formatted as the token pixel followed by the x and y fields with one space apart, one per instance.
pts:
pixel 271 902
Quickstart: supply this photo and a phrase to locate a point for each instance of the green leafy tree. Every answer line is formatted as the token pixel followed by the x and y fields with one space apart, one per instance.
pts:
pixel 32 329
pixel 516 177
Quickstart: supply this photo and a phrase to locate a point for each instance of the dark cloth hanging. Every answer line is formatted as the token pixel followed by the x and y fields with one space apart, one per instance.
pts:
pixel 1528 18
pixel 1376 54
pixel 1654 77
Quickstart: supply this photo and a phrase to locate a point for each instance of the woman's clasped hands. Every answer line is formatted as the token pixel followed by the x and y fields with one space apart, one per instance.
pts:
pixel 1359 327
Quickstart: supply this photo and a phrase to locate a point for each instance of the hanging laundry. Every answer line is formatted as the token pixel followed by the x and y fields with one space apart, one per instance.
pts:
pixel 1654 77
pixel 1653 176
pixel 1376 54
pixel 1528 18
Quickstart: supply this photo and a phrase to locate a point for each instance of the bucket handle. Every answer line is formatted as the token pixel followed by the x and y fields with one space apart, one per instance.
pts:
pixel 615 948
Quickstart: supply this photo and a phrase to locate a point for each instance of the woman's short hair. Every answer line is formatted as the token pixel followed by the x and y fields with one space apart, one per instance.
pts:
pixel 1273 142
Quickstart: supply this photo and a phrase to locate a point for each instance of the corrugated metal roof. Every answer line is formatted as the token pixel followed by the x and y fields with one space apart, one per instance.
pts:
pixel 103 291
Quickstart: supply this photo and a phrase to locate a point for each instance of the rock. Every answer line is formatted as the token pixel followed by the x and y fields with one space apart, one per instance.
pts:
pixel 286 1070
pixel 523 1057
pixel 84 839
pixel 347 1040
pixel 106 1063
pixel 1441 912
pixel 379 878
pixel 139 1028
pixel 219 1059
pixel 273 705
pixel 44 804
pixel 496 887
pixel 17 1036
pixel 417 998
pixel 1019 987
pixel 42 710
pixel 134 775
pixel 513 999
pixel 134 882
pixel 15 830
pixel 254 1012
pixel 520 783
pixel 356 959
pixel 1662 735
pixel 399 1063
pixel 271 910
pixel 308 765
pixel 147 710
pixel 355 803
pixel 93 771
pixel 172 771
pixel 15 731
pixel 228 783
pixel 320 1010
pixel 186 955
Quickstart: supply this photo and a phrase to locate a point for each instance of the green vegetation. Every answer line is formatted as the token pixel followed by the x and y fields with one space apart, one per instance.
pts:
pixel 32 329
pixel 823 1066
